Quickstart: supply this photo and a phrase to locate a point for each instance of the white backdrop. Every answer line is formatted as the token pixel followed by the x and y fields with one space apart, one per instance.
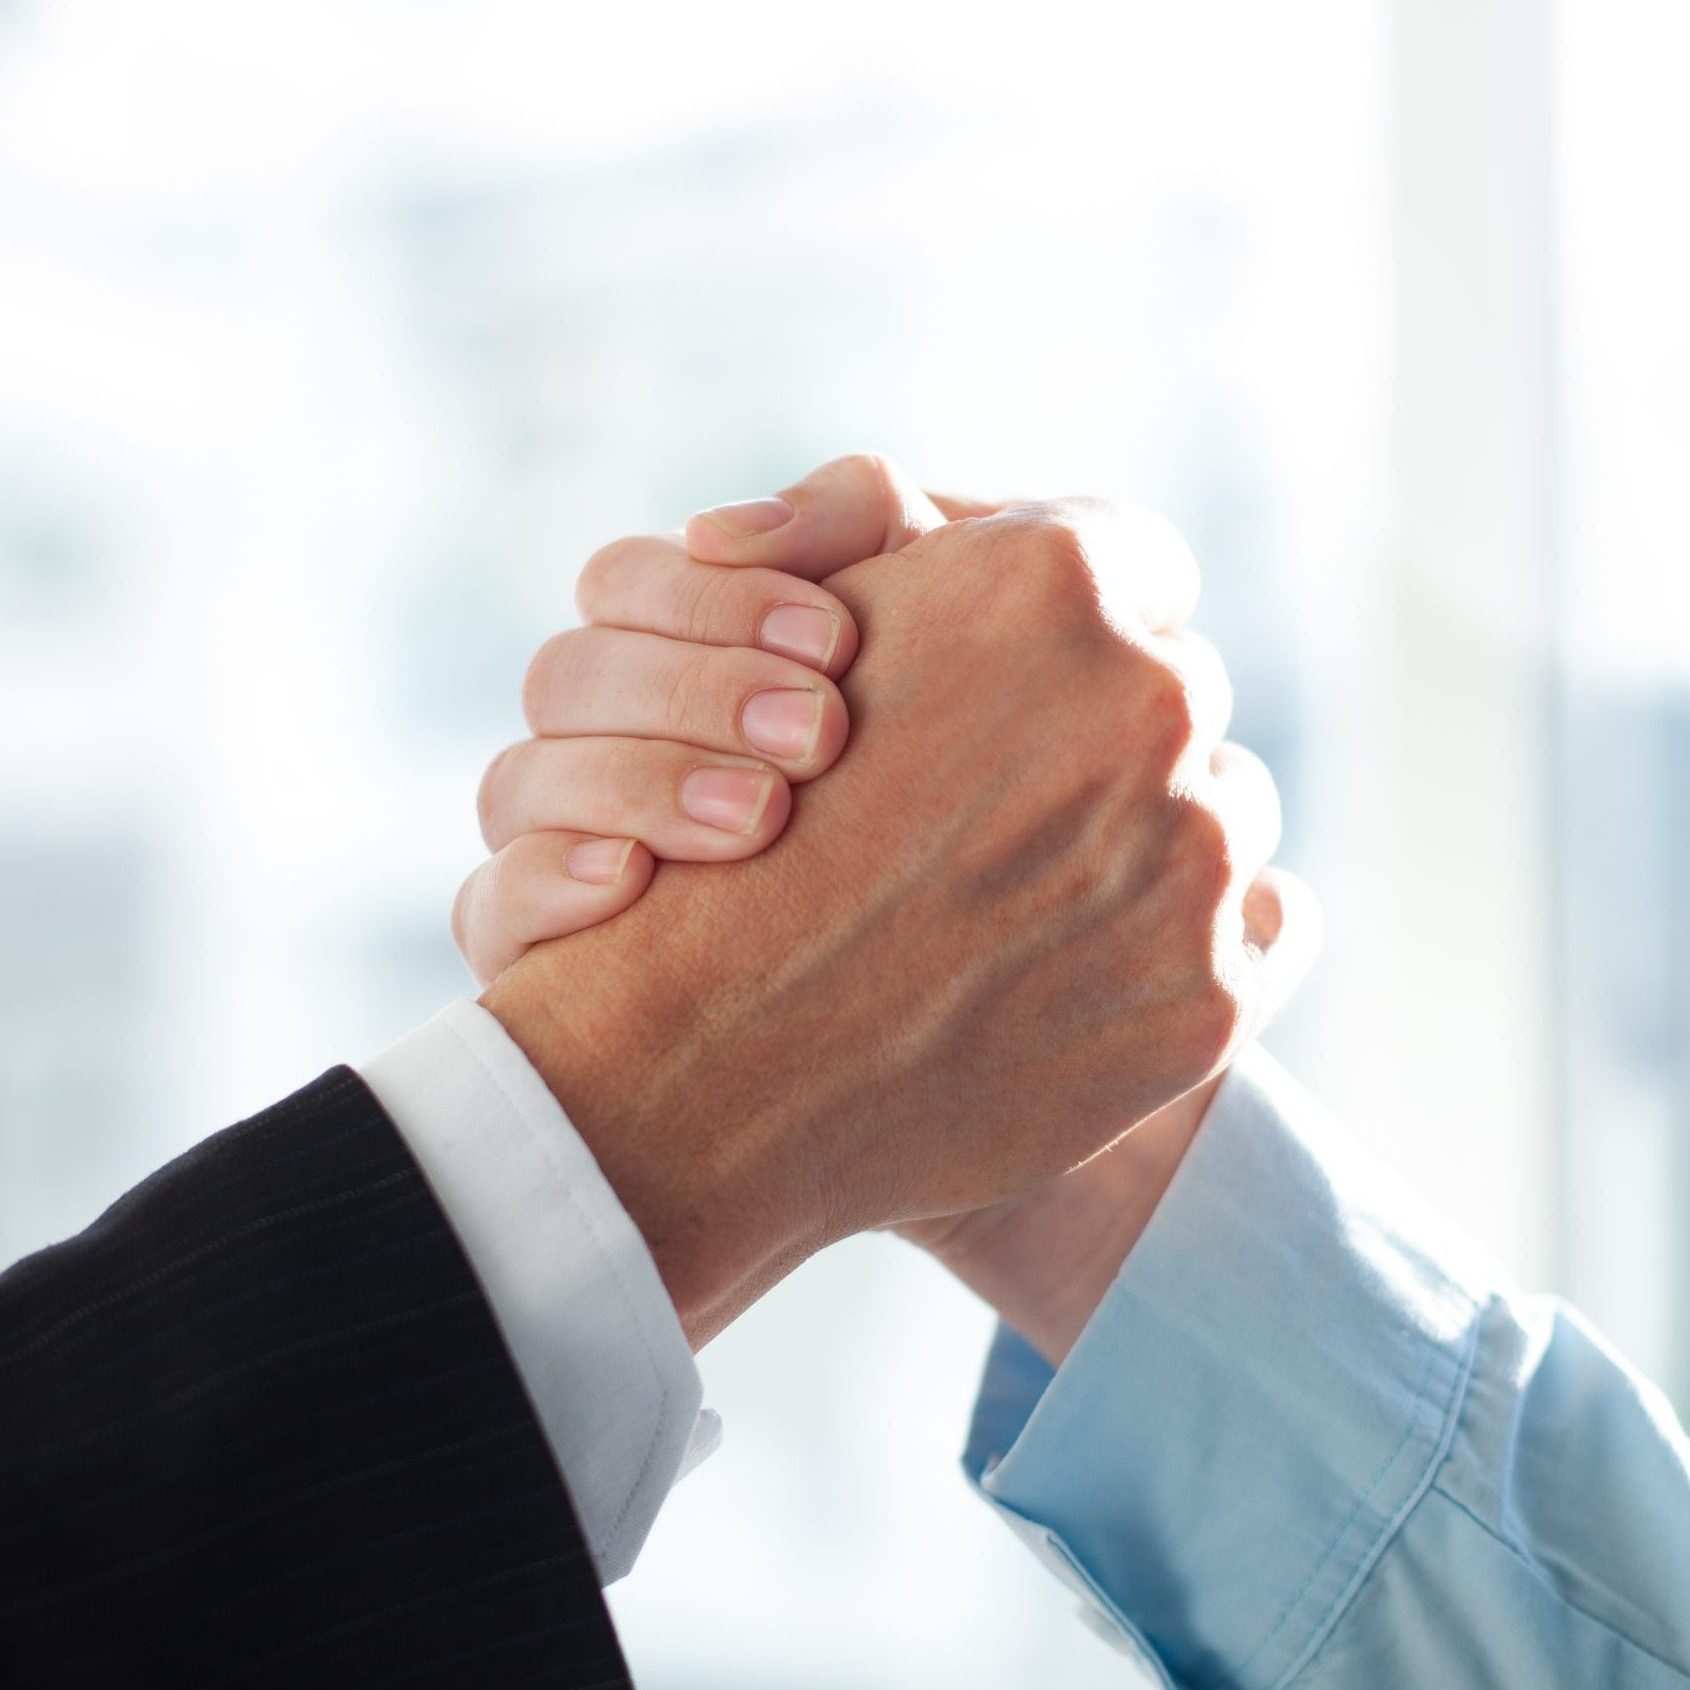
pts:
pixel 334 336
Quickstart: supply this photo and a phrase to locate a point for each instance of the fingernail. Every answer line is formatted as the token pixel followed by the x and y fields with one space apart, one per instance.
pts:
pixel 731 799
pixel 598 861
pixel 755 516
pixel 783 722
pixel 801 631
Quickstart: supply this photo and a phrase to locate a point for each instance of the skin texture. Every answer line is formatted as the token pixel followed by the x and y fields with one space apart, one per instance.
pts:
pixel 1008 927
pixel 1045 1257
pixel 626 715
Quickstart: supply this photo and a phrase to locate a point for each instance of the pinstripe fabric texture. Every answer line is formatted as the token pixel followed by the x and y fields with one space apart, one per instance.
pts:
pixel 257 1428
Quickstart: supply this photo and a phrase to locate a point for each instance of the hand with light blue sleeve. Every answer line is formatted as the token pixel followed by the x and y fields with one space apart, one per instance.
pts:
pixel 1274 1421
pixel 1309 1437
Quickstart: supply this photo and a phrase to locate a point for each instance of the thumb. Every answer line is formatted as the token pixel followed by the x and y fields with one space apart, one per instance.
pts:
pixel 848 510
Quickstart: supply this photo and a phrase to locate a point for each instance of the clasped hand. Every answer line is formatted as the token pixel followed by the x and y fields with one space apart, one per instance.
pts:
pixel 1027 911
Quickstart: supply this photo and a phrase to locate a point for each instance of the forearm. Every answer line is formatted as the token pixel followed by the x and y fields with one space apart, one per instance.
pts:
pixel 259 1423
pixel 1046 1258
pixel 679 1100
pixel 1311 1436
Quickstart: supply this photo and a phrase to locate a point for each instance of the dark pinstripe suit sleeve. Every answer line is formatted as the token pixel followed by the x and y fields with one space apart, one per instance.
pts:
pixel 257 1428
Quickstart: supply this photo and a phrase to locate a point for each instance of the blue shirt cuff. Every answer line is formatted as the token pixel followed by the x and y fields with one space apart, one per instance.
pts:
pixel 1256 1405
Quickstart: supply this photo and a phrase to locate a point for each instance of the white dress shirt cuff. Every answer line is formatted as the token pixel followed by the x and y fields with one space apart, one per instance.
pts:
pixel 570 1282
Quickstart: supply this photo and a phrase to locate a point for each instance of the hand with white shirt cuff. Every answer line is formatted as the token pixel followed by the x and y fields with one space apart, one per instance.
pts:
pixel 1265 1417
pixel 1042 1255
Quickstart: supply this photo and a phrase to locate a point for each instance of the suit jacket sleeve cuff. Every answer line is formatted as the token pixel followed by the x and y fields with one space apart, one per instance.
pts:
pixel 1255 1406
pixel 570 1282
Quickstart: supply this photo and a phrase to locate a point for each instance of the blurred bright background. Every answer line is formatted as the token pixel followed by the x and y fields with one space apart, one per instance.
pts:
pixel 334 334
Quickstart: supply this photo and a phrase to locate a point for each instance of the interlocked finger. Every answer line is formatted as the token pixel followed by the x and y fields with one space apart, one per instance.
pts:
pixel 650 584
pixel 598 681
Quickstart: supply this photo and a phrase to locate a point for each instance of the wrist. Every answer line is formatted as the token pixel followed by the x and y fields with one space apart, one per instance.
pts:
pixel 620 1047
pixel 1046 1258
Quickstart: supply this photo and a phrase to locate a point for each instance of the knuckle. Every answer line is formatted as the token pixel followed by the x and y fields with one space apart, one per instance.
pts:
pixel 510 877
pixel 871 468
pixel 1062 557
pixel 1201 856
pixel 1247 780
pixel 541 678
pixel 523 863
pixel 1199 659
pixel 496 881
pixel 489 797
pixel 1217 1019
pixel 867 479
pixel 603 575
pixel 1053 543
pixel 1264 911
pixel 605 773
pixel 1049 562
pixel 707 613
pixel 685 688
pixel 1174 703
pixel 460 919
pixel 1167 710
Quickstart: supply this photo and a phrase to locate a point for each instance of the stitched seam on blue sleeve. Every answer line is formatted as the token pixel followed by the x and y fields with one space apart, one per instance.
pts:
pixel 1572 1607
pixel 1370 1557
pixel 1280 1620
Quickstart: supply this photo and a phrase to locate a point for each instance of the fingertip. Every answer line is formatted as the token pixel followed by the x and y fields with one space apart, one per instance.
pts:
pixel 1284 924
pixel 822 636
pixel 771 822
pixel 544 886
pixel 1302 917
pixel 597 862
pixel 707 543
pixel 476 921
pixel 801 730
pixel 593 901
pixel 807 633
pixel 1263 912
pixel 777 812
pixel 638 870
pixel 610 875
pixel 845 652
pixel 832 731
pixel 736 810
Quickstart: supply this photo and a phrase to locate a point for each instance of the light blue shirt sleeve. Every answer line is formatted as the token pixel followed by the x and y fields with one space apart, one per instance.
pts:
pixel 1311 1437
